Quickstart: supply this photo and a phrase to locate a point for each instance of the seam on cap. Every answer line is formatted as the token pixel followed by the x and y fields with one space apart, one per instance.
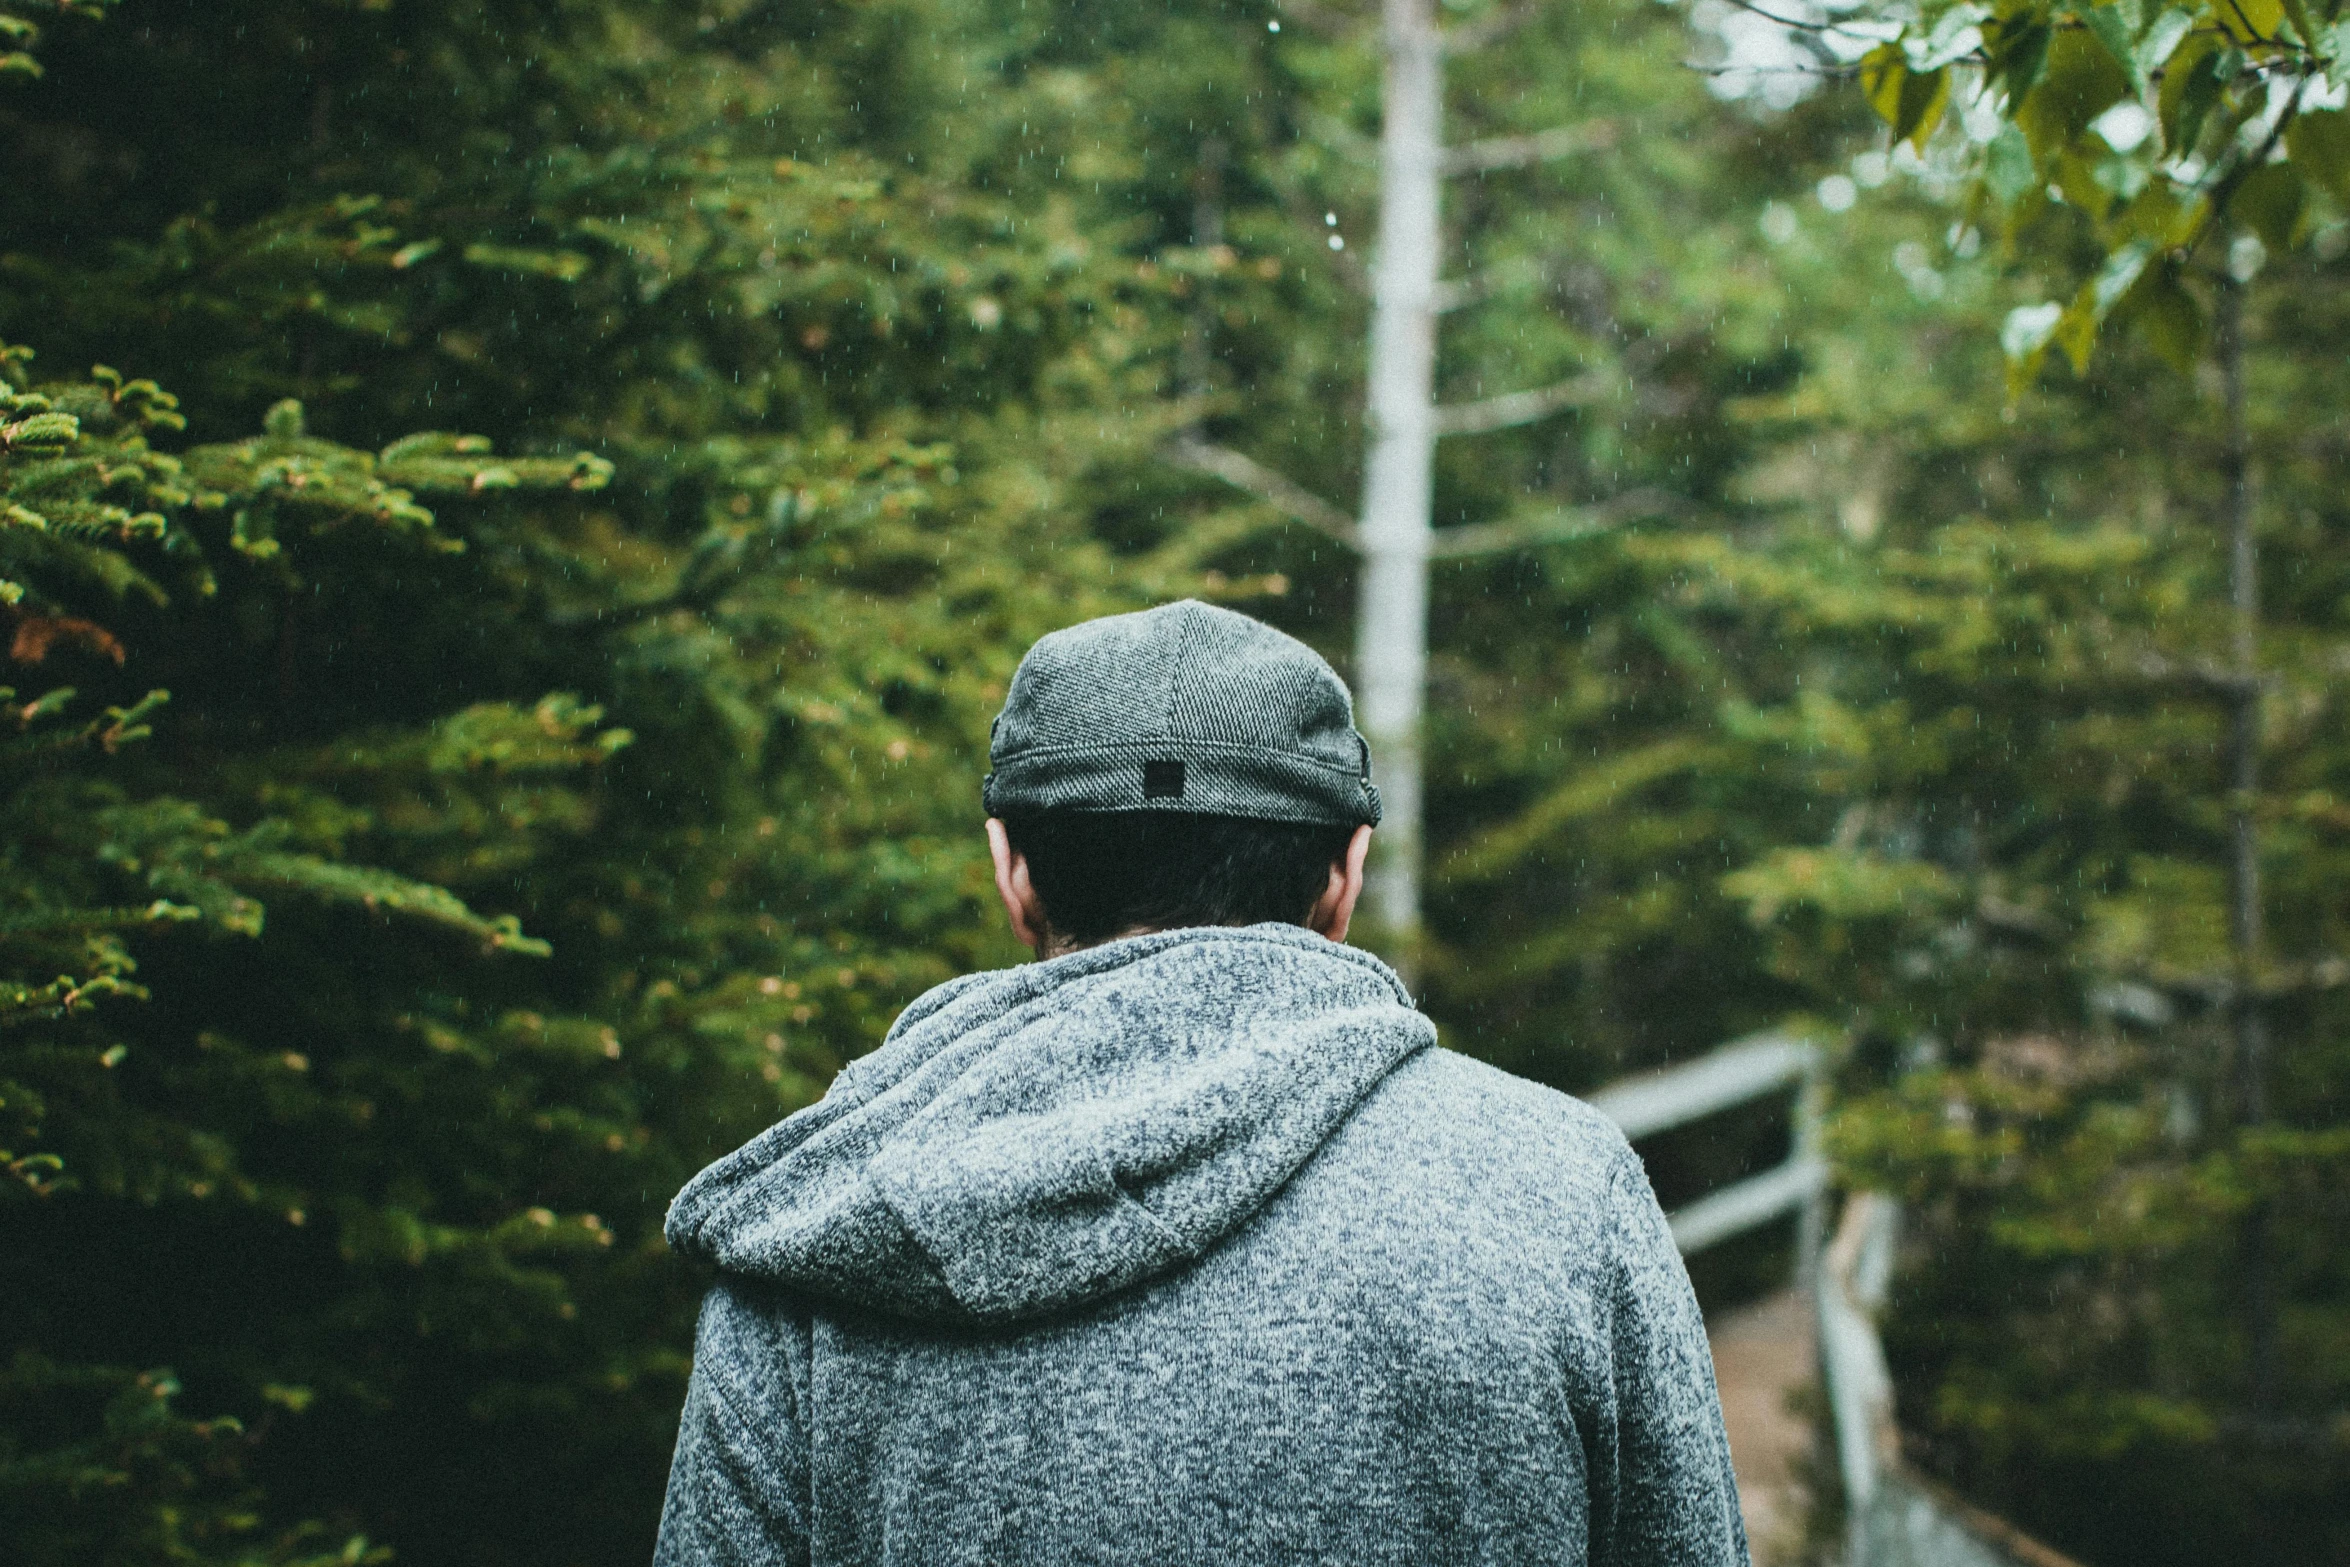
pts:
pixel 1276 817
pixel 1348 770
pixel 1184 621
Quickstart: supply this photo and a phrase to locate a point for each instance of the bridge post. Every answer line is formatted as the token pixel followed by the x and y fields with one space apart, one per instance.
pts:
pixel 1811 1224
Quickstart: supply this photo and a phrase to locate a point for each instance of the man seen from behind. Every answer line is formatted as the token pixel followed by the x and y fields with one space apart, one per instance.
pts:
pixel 1187 1243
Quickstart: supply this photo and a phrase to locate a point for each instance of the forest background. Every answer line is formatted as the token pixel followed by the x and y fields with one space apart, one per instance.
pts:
pixel 419 860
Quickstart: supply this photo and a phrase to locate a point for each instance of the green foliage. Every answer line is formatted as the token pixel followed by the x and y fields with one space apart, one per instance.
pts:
pixel 522 831
pixel 2226 137
pixel 2014 670
pixel 20 33
pixel 100 1464
pixel 68 1501
pixel 1580 803
pixel 2071 1351
pixel 400 994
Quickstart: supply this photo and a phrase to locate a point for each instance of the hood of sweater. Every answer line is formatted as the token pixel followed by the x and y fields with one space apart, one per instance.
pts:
pixel 1034 1138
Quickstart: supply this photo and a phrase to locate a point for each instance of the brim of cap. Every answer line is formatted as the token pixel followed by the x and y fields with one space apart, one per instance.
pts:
pixel 1218 780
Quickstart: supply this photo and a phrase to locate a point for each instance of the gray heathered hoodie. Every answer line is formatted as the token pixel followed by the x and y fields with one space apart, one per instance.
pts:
pixel 1191 1248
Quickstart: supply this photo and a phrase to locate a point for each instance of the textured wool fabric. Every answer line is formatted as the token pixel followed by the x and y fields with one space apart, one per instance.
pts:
pixel 1191 1248
pixel 1186 707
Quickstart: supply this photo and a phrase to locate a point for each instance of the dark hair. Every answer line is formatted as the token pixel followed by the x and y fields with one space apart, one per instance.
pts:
pixel 1102 873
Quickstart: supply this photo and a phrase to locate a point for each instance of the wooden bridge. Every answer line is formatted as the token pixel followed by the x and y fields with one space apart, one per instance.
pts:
pixel 1820 1332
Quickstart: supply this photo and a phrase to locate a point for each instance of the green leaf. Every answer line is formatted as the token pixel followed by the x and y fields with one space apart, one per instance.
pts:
pixel 2024 338
pixel 2076 331
pixel 1909 101
pixel 2249 21
pixel 1882 71
pixel 2118 33
pixel 2335 50
pixel 2120 178
pixel 2153 52
pixel 2159 216
pixel 2008 169
pixel 2077 177
pixel 2191 85
pixel 2119 273
pixel 2161 311
pixel 2082 81
pixel 1954 35
pixel 2272 200
pixel 2318 143
pixel 2018 49
pixel 2303 24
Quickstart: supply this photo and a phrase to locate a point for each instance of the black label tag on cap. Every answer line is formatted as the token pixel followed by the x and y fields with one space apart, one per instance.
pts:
pixel 1162 780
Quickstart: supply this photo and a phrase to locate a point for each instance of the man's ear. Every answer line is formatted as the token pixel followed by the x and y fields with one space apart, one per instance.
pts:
pixel 1335 909
pixel 1018 892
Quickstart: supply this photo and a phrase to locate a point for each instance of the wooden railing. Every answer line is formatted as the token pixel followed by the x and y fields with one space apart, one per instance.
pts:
pixel 1894 1517
pixel 1746 1070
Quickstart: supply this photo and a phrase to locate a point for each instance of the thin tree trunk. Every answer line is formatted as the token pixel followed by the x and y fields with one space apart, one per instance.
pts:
pixel 1391 628
pixel 1207 232
pixel 2244 932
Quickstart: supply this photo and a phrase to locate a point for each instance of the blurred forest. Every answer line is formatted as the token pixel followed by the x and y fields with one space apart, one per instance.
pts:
pixel 515 517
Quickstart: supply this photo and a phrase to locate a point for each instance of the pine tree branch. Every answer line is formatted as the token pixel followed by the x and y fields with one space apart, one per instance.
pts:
pixel 2273 982
pixel 1516 408
pixel 1579 522
pixel 723 559
pixel 2200 676
pixel 1247 474
pixel 1518 152
pixel 2014 919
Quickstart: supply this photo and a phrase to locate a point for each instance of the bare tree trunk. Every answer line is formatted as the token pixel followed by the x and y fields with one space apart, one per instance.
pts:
pixel 2244 932
pixel 1391 627
pixel 1207 232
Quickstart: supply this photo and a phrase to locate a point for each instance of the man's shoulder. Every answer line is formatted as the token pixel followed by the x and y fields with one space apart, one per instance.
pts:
pixel 1451 1111
pixel 752 1339
pixel 1453 1175
pixel 1439 1080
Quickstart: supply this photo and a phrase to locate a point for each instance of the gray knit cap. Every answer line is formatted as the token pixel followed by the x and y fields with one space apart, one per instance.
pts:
pixel 1186 707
